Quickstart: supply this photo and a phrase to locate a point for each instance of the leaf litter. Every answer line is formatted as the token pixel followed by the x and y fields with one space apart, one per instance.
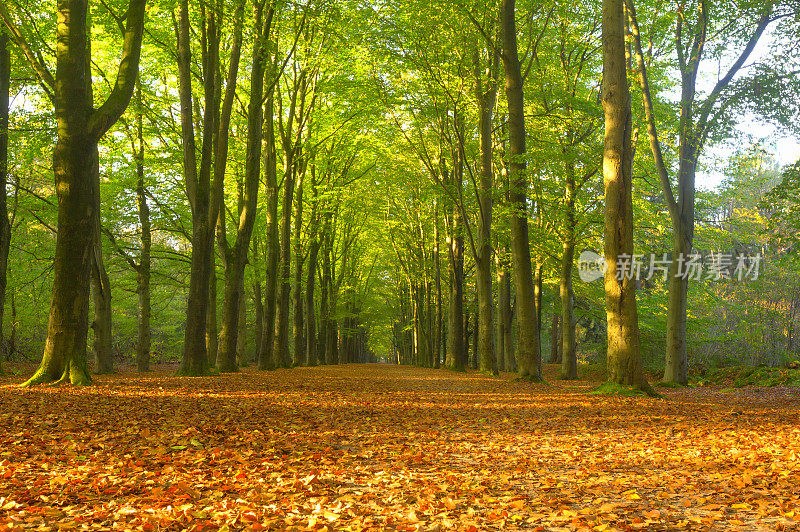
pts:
pixel 379 447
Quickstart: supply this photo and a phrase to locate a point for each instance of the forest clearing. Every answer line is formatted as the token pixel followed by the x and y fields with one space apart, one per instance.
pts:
pixel 381 447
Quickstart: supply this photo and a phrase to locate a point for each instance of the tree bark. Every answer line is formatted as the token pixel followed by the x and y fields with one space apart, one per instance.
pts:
pixel 506 313
pixel 528 354
pixel 311 322
pixel 623 356
pixel 101 292
pixel 280 347
pixel 212 332
pixel 5 227
pixel 258 301
pixel 76 166
pixel 476 335
pixel 298 330
pixel 195 359
pixel 555 334
pixel 456 357
pixel 503 305
pixel 486 97
pixel 569 356
pixel 324 300
pixel 143 270
pixel 236 255
pixel 266 354
pixel 241 337
pixel 437 349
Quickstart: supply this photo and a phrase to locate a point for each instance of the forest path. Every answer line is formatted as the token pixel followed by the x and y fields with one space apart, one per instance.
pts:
pixel 376 447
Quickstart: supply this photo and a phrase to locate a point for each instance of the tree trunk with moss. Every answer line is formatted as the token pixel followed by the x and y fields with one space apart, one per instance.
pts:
pixel 486 96
pixel 212 333
pixel 298 327
pixel 80 127
pixel 456 356
pixel 101 293
pixel 5 227
pixel 195 359
pixel 143 269
pixel 569 356
pixel 529 360
pixel 236 254
pixel 624 364
pixel 266 356
pixel 437 264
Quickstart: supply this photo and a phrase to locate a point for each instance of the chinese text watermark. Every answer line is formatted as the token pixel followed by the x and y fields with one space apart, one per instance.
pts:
pixel 693 266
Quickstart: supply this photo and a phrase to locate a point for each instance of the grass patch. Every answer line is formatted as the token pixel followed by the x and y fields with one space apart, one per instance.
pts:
pixel 620 390
pixel 674 385
pixel 740 376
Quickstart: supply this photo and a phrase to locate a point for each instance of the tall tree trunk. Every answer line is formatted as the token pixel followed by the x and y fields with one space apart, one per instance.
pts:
pixel 311 322
pixel 258 301
pixel 538 279
pixel 506 311
pixel 266 355
pixel 195 359
pixel 529 360
pixel 623 356
pixel 696 118
pixel 486 95
pixel 241 337
pixel 332 327
pixel 324 300
pixel 467 335
pixel 569 356
pixel 476 334
pixel 455 316
pixel 437 349
pixel 143 271
pixel 212 335
pixel 222 342
pixel 280 348
pixel 502 315
pixel 236 255
pixel 555 333
pixel 298 330
pixel 80 127
pixel 101 293
pixel 5 227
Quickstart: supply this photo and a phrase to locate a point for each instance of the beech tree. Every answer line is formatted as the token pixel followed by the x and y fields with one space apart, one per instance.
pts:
pixel 698 116
pixel 235 255
pixel 529 356
pixel 75 165
pixel 5 226
pixel 624 363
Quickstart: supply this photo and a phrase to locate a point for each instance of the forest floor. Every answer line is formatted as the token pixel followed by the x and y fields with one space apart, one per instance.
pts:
pixel 378 447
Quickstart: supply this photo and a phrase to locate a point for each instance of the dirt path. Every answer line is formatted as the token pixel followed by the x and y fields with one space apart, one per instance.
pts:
pixel 374 447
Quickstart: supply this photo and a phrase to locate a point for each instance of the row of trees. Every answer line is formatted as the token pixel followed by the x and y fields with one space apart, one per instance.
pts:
pixel 359 171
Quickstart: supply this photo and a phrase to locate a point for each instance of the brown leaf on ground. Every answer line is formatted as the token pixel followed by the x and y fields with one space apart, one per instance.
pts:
pixel 376 447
